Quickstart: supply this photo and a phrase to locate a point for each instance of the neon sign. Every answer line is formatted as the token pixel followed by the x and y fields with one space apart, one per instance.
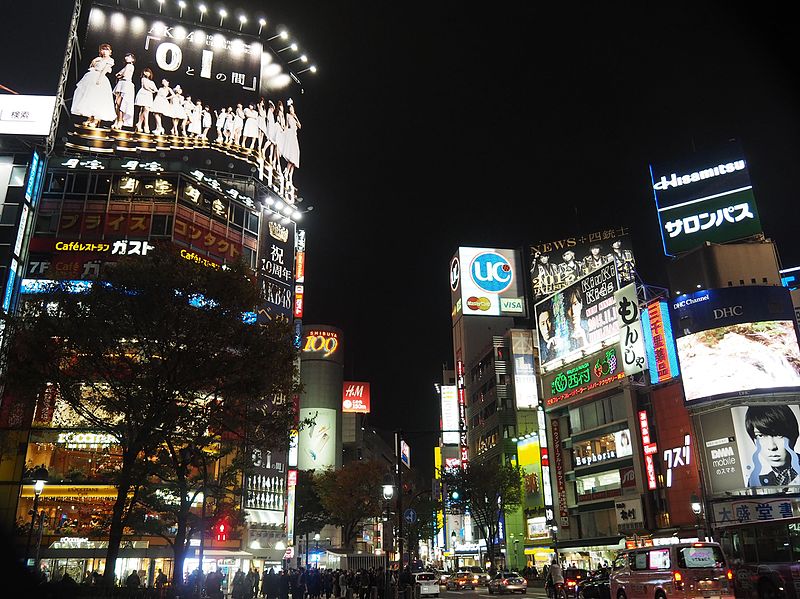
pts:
pixel 322 341
pixel 659 342
pixel 599 369
pixel 649 448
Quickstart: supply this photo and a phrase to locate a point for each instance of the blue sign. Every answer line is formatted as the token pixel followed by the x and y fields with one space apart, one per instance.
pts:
pixel 492 272
pixel 410 516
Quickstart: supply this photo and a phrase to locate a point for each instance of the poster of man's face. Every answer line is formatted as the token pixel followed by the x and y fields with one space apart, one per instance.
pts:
pixel 553 268
pixel 768 444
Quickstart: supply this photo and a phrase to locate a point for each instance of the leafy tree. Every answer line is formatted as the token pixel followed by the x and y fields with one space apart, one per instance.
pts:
pixel 485 490
pixel 155 355
pixel 352 495
pixel 310 514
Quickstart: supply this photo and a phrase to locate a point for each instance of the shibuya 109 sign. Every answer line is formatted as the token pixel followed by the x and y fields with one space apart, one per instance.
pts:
pixel 571 383
pixel 321 343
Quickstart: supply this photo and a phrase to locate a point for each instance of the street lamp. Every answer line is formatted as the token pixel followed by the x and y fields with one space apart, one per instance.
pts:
pixel 697 510
pixel 281 546
pixel 39 478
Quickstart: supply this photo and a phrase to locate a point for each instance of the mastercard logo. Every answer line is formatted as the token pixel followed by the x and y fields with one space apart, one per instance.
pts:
pixel 479 303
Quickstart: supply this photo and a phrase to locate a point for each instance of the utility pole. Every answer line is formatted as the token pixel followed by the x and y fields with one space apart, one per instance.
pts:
pixel 398 437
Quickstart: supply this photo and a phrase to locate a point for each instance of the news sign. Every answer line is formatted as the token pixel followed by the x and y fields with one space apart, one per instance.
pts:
pixel 579 318
pixel 735 341
pixel 705 198
pixel 559 263
pixel 355 398
pixel 487 282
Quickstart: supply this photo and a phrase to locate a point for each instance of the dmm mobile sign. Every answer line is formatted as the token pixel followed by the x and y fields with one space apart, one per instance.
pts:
pixel 355 398
pixel 705 198
pixel 736 340
pixel 487 282
pixel 578 318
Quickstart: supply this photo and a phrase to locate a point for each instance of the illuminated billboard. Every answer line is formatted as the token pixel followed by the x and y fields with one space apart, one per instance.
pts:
pixel 704 198
pixel 736 341
pixel 486 282
pixel 322 343
pixel 559 263
pixel 751 446
pixel 570 383
pixel 631 336
pixel 450 428
pixel 525 390
pixel 579 318
pixel 317 443
pixel 659 343
pixel 173 81
pixel 530 460
pixel 26 115
pixel 355 398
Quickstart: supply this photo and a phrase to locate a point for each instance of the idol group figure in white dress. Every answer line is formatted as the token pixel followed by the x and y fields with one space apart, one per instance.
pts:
pixel 144 100
pixel 250 129
pixel 291 146
pixel 161 105
pixel 176 110
pixel 93 96
pixel 125 94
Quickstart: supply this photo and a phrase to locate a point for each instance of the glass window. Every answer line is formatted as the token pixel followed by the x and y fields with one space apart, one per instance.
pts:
pixel 252 223
pixel 598 485
pixel 772 543
pixel 749 544
pixel 46 223
pixel 659 559
pixel 640 560
pixel 9 213
pixel 703 556
pixel 17 175
pixel 161 225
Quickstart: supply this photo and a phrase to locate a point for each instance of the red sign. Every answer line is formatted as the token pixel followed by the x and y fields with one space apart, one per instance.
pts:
pixel 298 301
pixel 291 480
pixel 300 267
pixel 628 477
pixel 560 479
pixel 649 449
pixel 355 398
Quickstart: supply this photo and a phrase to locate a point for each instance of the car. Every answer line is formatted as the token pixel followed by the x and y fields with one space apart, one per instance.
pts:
pixel 428 583
pixel 461 580
pixel 481 576
pixel 443 576
pixel 596 586
pixel 572 578
pixel 680 571
pixel 507 582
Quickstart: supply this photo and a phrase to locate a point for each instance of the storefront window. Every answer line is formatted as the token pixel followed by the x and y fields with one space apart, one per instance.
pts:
pixel 601 523
pixel 75 457
pixel 605 447
pixel 598 413
pixel 597 486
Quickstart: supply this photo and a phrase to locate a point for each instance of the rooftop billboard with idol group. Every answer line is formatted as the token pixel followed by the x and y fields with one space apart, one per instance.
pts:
pixel 166 77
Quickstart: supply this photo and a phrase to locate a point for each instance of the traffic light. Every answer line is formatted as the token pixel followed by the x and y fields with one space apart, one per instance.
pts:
pixel 454 494
pixel 221 529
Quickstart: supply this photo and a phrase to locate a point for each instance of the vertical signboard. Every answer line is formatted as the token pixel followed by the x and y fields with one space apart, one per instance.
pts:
pixel 529 458
pixel 462 412
pixel 525 390
pixel 450 430
pixel 317 441
pixel 405 453
pixel 649 450
pixel 630 330
pixel 275 273
pixel 291 499
pixel 662 357
pixel 355 397
pixel 561 486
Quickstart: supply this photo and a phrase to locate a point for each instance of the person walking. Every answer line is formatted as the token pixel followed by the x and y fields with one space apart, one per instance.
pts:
pixel 283 585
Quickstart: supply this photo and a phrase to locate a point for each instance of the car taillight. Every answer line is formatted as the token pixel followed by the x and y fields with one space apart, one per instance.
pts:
pixel 678 578
pixel 729 574
pixel 504 581
pixel 571 583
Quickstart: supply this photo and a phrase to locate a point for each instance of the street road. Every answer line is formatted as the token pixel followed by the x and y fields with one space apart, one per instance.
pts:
pixel 481 592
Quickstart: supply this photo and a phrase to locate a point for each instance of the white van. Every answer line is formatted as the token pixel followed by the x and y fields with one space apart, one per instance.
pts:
pixel 683 571
pixel 428 583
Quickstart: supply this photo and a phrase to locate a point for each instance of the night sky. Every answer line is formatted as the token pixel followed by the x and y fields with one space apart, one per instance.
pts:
pixel 431 125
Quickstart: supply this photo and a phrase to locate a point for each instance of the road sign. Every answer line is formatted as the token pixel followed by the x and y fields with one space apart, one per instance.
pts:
pixel 410 516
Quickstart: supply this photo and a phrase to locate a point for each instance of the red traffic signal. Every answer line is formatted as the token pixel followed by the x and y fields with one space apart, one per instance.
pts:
pixel 221 529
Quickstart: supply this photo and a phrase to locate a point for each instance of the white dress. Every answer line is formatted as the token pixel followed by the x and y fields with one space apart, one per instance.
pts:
pixel 262 119
pixel 272 126
pixel 229 122
pixel 290 149
pixel 176 110
pixel 250 123
pixel 126 89
pixel 195 120
pixel 93 96
pixel 161 103
pixel 206 119
pixel 280 126
pixel 238 120
pixel 144 97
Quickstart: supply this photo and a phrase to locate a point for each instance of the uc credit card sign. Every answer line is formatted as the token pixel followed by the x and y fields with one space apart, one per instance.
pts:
pixel 488 282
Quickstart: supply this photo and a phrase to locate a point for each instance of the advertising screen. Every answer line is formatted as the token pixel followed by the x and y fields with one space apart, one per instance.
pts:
pixel 659 343
pixel 317 442
pixel 572 382
pixel 735 341
pixel 578 318
pixel 706 197
pixel 559 263
pixel 752 446
pixel 487 282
